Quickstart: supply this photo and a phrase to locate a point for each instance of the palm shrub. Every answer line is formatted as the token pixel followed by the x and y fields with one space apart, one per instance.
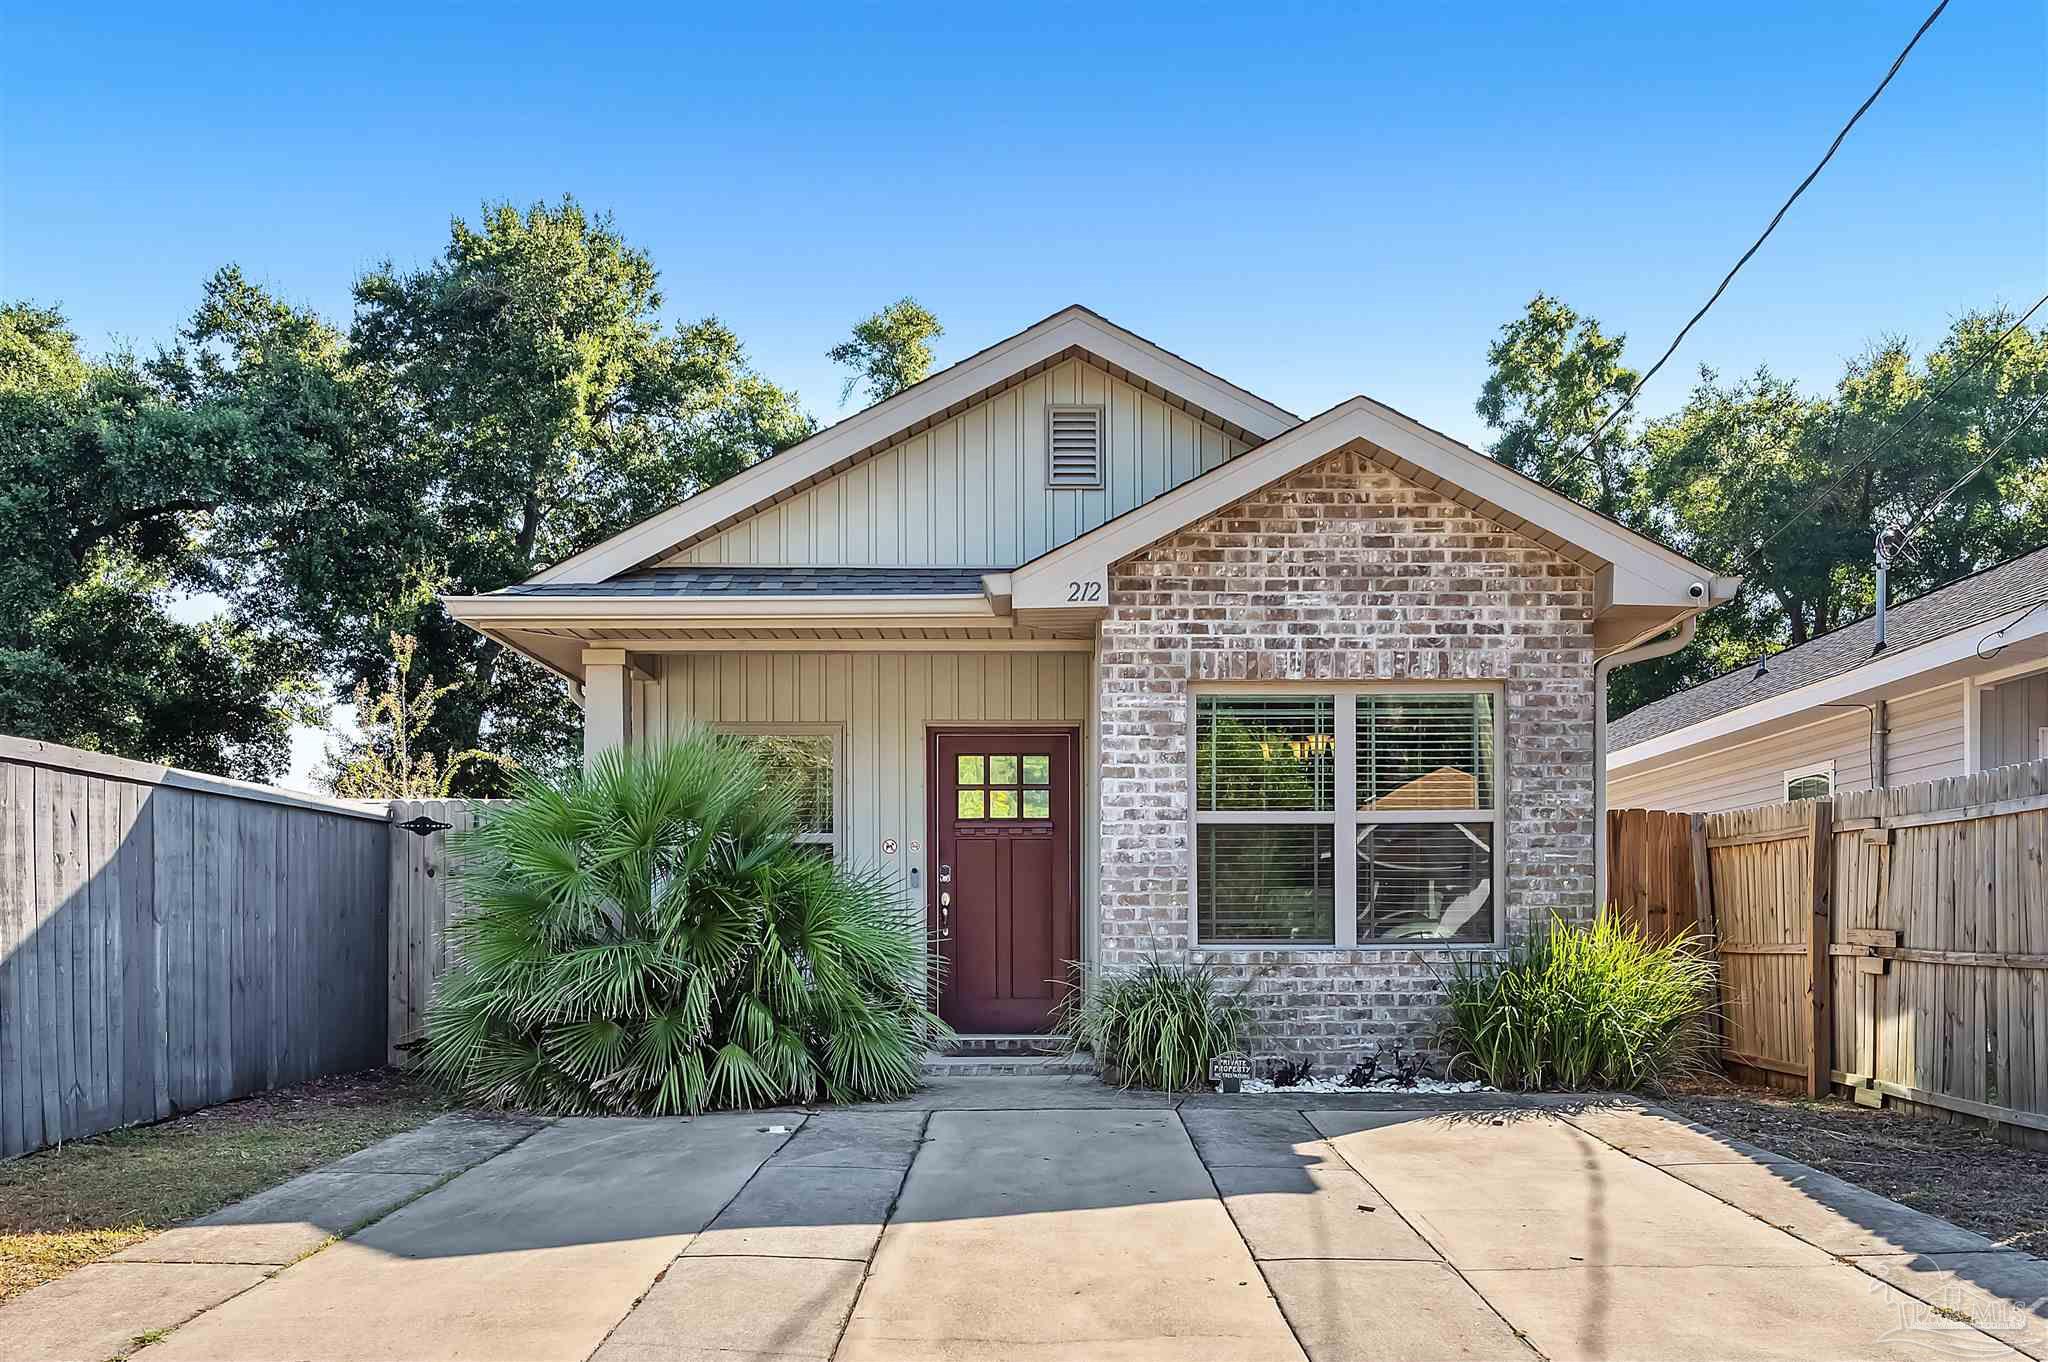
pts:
pixel 1155 1026
pixel 1581 1005
pixel 648 937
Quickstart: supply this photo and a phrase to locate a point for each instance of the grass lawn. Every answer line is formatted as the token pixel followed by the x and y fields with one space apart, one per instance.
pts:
pixel 65 1207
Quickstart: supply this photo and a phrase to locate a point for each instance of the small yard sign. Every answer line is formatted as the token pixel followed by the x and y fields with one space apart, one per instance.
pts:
pixel 1230 1069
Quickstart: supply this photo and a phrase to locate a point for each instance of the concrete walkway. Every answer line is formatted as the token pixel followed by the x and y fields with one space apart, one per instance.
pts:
pixel 1042 1218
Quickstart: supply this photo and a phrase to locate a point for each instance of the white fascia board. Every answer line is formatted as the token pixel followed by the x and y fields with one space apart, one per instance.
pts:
pixel 1874 675
pixel 1645 573
pixel 817 455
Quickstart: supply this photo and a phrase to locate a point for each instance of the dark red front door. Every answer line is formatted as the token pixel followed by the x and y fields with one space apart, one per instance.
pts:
pixel 1004 879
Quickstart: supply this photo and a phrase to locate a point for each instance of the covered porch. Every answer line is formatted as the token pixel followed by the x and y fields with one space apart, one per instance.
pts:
pixel 868 672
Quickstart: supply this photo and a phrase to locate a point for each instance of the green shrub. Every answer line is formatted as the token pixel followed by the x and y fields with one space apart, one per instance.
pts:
pixel 647 937
pixel 1579 1006
pixel 1156 1026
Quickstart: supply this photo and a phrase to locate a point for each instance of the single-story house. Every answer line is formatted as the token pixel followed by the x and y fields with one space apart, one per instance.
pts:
pixel 1960 686
pixel 1107 658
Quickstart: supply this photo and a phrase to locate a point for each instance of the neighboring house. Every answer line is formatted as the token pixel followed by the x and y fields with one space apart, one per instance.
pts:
pixel 1107 657
pixel 1960 686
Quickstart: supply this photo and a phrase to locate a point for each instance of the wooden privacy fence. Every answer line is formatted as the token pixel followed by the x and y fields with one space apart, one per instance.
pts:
pixel 421 875
pixel 1891 942
pixel 170 940
pixel 1653 871
pixel 1768 883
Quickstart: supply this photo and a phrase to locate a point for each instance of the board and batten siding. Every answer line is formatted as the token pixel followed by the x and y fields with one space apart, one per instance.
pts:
pixel 1925 743
pixel 2013 714
pixel 971 491
pixel 883 704
pixel 168 941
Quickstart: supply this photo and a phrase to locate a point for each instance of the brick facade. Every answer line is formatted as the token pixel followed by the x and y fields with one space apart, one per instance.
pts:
pixel 1340 572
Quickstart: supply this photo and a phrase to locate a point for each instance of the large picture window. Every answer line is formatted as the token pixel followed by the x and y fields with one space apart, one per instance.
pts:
pixel 1357 817
pixel 806 761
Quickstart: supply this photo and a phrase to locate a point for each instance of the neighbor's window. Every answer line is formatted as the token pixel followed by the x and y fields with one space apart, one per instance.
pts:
pixel 805 762
pixel 1366 816
pixel 1810 782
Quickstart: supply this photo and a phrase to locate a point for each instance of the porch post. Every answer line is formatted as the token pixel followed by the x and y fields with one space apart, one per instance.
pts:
pixel 607 701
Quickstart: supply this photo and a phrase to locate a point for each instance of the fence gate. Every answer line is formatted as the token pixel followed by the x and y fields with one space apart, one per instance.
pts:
pixel 1772 889
pixel 1941 948
pixel 421 875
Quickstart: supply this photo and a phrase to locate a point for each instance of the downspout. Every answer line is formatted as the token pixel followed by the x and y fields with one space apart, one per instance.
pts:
pixel 1642 652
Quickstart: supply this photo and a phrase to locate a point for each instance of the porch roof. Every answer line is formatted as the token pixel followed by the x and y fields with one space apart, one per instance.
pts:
pixel 769 581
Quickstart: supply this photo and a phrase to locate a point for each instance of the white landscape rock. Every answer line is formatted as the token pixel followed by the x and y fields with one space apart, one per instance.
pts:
pixel 1423 1086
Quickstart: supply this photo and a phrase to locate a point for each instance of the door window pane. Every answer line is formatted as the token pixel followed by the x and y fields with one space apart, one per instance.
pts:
pixel 1002 803
pixel 971 804
pixel 970 771
pixel 1265 753
pixel 1002 770
pixel 1037 803
pixel 1425 882
pixel 1266 882
pixel 1038 770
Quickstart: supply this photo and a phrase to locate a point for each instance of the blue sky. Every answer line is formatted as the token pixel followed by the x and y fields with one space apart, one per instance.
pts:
pixel 1313 202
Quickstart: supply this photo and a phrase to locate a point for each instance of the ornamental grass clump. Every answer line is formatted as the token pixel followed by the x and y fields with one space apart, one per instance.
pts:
pixel 1155 1026
pixel 648 937
pixel 1578 1005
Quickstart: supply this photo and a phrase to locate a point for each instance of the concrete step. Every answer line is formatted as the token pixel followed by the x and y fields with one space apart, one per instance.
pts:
pixel 937 1065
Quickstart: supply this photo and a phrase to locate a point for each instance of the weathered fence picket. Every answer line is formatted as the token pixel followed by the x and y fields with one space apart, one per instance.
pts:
pixel 1892 943
pixel 169 940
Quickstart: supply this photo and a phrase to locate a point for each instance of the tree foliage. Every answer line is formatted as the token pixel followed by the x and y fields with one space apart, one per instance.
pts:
pixel 650 938
pixel 512 402
pixel 113 476
pixel 388 762
pixel 889 350
pixel 1748 475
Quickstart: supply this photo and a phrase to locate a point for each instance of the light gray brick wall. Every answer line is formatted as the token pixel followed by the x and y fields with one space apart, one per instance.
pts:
pixel 1341 572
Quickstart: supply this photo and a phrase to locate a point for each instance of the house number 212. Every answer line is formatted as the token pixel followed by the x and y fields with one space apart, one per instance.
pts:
pixel 1084 591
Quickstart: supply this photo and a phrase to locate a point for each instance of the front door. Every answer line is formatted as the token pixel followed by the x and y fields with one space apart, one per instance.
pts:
pixel 1005 881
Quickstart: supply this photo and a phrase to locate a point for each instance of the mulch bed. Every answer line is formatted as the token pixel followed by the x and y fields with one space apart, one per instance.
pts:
pixel 1955 1171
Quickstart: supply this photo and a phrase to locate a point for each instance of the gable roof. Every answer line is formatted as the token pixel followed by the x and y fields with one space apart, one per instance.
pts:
pixel 1644 585
pixel 1071 332
pixel 1980 598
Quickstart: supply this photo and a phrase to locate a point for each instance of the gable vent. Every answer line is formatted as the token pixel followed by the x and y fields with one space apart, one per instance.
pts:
pixel 1074 447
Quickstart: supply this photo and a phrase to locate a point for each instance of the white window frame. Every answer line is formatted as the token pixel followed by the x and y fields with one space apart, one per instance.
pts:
pixel 1345 816
pixel 836 839
pixel 1797 773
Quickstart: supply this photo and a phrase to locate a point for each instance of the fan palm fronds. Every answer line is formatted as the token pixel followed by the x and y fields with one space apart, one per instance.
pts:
pixel 648 937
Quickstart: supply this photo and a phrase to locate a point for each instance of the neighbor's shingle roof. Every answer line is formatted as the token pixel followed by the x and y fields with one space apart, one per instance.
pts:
pixel 2009 587
pixel 770 581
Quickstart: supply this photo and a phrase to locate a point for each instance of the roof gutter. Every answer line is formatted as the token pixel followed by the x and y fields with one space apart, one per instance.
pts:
pixel 1687 629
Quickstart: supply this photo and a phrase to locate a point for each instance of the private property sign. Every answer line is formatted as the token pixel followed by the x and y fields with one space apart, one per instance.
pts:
pixel 1230 1069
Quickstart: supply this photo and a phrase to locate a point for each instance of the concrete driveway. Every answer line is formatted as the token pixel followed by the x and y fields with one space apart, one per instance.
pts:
pixel 1028 1218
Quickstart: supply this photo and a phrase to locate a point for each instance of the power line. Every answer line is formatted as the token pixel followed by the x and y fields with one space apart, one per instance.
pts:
pixel 1891 431
pixel 1917 521
pixel 1584 450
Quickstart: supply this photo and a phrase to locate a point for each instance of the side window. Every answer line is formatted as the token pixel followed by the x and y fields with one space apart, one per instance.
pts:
pixel 1810 782
pixel 807 763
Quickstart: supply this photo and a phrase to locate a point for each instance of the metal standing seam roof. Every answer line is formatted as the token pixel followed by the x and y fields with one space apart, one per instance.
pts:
pixel 1980 598
pixel 770 581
